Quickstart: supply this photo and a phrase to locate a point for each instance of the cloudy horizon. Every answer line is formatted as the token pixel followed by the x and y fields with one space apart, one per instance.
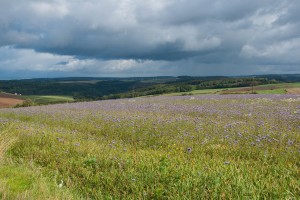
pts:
pixel 123 38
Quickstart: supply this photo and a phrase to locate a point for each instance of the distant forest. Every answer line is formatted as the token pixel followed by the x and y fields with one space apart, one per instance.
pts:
pixel 113 88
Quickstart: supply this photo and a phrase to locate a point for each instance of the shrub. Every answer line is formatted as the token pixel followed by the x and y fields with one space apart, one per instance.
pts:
pixel 26 103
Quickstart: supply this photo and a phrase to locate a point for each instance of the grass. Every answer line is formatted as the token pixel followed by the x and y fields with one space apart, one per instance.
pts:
pixel 21 182
pixel 297 84
pixel 221 147
pixel 279 88
pixel 195 92
pixel 49 99
pixel 273 91
pixel 16 179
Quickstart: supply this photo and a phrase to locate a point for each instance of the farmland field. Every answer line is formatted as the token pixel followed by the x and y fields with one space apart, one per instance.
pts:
pixel 280 88
pixel 49 99
pixel 165 147
pixel 9 100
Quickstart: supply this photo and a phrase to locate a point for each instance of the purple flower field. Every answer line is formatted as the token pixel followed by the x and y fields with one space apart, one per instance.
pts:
pixel 207 146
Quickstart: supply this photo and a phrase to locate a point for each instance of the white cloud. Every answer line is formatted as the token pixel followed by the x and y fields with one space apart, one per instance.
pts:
pixel 15 60
pixel 49 9
pixel 278 52
pixel 155 37
pixel 27 59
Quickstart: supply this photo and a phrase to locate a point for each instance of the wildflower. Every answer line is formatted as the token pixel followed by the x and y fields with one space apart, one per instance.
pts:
pixel 189 150
pixel 290 142
pixel 61 184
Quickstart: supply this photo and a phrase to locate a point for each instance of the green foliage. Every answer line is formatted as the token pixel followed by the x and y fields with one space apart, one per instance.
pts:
pixel 79 90
pixel 16 179
pixel 114 88
pixel 232 82
pixel 188 84
pixel 26 103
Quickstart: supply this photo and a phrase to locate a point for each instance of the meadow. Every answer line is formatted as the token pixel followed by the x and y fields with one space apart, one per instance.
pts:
pixel 48 99
pixel 164 147
pixel 278 88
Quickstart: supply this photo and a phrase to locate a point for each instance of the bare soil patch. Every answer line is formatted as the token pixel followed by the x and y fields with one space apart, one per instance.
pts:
pixel 293 91
pixel 9 100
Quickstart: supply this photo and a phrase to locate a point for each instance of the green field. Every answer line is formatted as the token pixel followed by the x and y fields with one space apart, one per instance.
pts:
pixel 175 147
pixel 195 92
pixel 48 99
pixel 273 91
pixel 270 89
pixel 285 85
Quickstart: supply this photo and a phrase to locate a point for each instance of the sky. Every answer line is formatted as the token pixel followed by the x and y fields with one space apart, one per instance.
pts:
pixel 124 38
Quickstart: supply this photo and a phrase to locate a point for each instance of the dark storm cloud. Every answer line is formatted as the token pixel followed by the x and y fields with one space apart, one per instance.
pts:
pixel 194 33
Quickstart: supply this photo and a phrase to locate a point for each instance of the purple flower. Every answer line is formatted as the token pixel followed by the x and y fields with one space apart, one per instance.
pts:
pixel 226 162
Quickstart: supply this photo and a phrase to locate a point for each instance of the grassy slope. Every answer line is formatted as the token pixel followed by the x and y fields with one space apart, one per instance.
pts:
pixel 158 154
pixel 49 99
pixel 273 91
pixel 270 89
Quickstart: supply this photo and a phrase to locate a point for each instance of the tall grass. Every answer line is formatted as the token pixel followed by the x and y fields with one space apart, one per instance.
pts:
pixel 205 147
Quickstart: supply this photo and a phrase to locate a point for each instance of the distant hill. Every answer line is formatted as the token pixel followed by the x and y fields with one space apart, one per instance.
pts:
pixel 90 88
